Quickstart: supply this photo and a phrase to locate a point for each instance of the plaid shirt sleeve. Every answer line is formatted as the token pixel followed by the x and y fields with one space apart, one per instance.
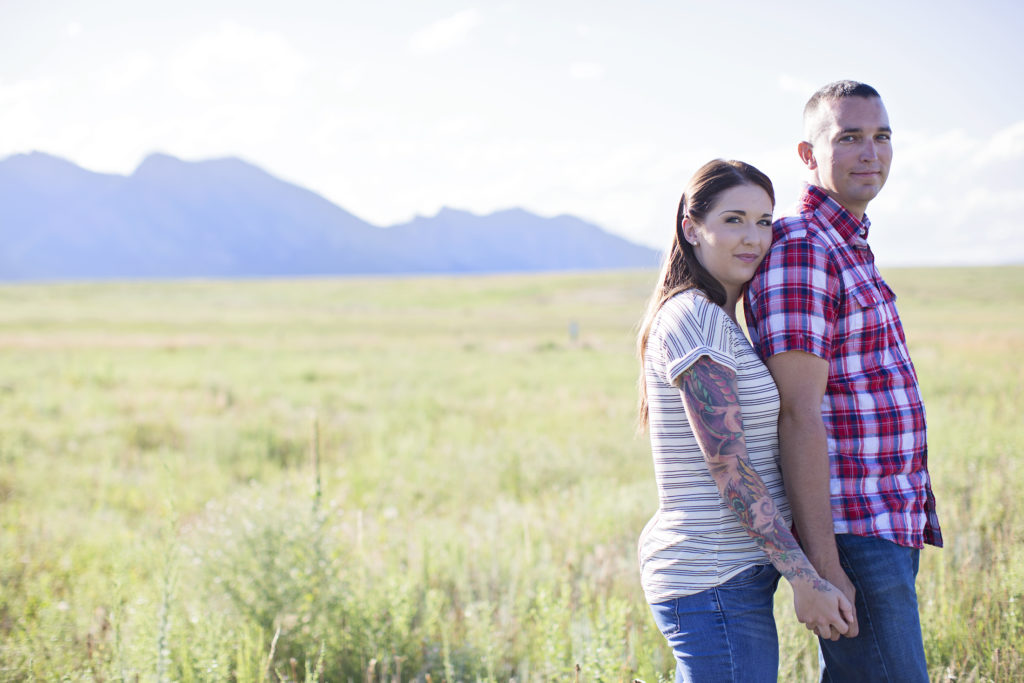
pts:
pixel 793 300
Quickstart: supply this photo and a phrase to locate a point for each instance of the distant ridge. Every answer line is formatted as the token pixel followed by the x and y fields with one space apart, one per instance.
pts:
pixel 228 218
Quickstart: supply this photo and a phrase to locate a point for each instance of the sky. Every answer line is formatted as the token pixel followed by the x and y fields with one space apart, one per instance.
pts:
pixel 393 109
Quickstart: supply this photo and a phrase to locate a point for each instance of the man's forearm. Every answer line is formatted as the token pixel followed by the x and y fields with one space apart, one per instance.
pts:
pixel 805 470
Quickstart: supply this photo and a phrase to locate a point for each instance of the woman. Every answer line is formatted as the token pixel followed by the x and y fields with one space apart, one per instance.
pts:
pixel 712 409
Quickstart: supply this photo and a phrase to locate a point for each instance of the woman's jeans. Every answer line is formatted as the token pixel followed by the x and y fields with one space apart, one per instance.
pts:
pixel 727 633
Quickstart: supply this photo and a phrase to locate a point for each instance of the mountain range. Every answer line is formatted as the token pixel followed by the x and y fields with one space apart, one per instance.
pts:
pixel 228 218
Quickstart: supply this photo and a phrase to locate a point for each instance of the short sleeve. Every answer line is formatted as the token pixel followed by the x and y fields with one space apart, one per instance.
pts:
pixel 691 326
pixel 792 302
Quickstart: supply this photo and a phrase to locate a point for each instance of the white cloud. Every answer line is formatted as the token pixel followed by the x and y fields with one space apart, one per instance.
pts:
pixel 445 34
pixel 215 95
pixel 22 108
pixel 586 71
pixel 237 60
pixel 947 197
pixel 923 151
pixel 73 30
pixel 349 78
pixel 957 158
pixel 792 84
pixel 129 71
pixel 978 198
pixel 1005 145
pixel 19 91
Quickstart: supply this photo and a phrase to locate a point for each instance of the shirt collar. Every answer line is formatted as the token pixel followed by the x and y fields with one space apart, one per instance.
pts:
pixel 854 231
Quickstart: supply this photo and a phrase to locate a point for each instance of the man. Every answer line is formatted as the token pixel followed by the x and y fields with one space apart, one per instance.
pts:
pixel 852 425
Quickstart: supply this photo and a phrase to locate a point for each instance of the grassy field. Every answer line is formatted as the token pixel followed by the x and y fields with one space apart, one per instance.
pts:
pixel 429 479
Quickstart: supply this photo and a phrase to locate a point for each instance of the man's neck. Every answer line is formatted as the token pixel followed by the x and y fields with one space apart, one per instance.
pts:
pixel 857 210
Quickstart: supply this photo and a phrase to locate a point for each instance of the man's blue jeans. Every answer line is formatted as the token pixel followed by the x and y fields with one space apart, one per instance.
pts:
pixel 725 634
pixel 889 645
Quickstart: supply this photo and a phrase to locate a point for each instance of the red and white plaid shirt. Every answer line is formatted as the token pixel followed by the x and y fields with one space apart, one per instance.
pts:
pixel 819 291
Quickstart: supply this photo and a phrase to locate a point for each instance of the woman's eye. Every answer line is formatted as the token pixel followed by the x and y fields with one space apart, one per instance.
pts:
pixel 765 222
pixel 732 219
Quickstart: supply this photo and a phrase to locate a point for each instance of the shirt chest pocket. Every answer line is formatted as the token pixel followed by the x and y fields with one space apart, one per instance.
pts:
pixel 870 325
pixel 867 294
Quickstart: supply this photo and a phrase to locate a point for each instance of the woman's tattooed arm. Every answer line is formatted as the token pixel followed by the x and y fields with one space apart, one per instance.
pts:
pixel 712 405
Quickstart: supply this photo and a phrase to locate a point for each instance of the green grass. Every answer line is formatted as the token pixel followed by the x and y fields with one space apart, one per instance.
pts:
pixel 481 486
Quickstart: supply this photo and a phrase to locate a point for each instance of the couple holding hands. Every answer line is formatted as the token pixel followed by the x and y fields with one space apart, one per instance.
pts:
pixel 801 453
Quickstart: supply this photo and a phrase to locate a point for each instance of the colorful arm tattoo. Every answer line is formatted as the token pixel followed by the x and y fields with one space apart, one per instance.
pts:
pixel 710 396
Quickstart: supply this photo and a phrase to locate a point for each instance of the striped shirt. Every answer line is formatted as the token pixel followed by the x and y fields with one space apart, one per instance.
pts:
pixel 818 291
pixel 695 541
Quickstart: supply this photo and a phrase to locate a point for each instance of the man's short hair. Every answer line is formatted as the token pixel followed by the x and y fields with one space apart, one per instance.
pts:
pixel 833 92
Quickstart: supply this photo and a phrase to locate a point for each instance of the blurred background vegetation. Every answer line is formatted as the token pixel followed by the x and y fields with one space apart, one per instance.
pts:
pixel 416 479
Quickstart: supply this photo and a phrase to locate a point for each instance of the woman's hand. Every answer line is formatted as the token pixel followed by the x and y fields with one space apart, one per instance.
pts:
pixel 822 607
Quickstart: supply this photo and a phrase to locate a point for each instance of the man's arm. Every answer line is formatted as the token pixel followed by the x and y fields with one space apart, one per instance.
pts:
pixel 801 378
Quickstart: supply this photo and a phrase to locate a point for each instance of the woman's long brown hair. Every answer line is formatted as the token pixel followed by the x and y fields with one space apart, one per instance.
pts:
pixel 681 270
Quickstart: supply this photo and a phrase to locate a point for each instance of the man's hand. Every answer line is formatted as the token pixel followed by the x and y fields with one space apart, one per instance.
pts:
pixel 838 578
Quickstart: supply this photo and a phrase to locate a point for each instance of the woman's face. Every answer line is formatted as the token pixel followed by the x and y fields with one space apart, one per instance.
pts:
pixel 734 237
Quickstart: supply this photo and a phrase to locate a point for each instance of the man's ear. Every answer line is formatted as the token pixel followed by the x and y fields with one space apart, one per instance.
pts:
pixel 806 152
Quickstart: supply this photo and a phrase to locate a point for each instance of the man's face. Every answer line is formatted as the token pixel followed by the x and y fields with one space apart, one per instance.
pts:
pixel 852 151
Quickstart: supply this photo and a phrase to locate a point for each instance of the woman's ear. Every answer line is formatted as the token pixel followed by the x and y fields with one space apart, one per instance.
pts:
pixel 690 231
